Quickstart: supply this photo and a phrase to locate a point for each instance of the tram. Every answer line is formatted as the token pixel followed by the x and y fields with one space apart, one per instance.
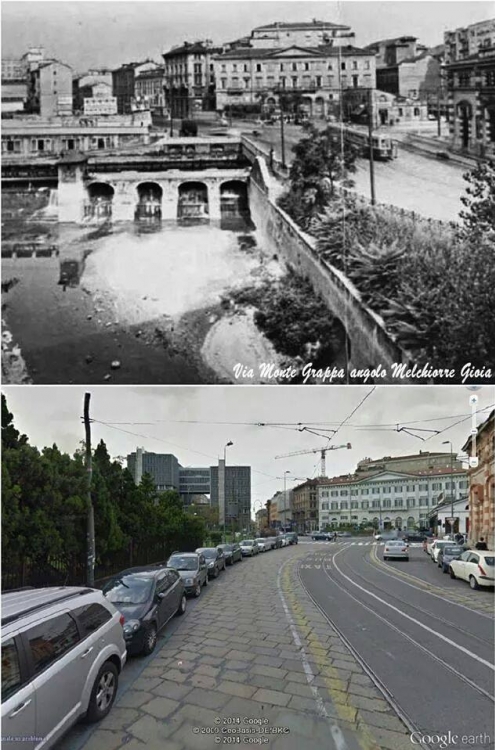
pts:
pixel 384 148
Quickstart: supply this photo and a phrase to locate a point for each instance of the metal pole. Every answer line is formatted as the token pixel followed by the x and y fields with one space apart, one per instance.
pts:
pixel 90 541
pixel 282 136
pixel 171 111
pixel 370 138
pixel 452 489
pixel 439 119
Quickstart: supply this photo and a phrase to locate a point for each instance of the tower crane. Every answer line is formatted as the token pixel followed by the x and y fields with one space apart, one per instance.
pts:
pixel 322 451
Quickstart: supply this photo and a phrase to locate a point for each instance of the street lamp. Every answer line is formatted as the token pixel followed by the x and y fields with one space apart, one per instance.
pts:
pixel 449 442
pixel 285 496
pixel 222 493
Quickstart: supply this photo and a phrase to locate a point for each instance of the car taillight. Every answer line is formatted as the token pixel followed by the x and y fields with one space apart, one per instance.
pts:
pixel 481 570
pixel 404 549
pixel 122 620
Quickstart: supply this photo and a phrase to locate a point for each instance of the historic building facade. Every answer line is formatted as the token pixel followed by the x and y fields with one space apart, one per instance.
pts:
pixel 189 78
pixel 470 77
pixel 482 483
pixel 305 506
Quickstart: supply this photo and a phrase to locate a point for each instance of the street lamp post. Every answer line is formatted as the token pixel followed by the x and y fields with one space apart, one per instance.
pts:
pixel 449 442
pixel 285 496
pixel 282 135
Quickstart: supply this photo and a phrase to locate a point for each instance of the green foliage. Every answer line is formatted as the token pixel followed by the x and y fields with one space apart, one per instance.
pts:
pixel 321 158
pixel 44 511
pixel 216 538
pixel 479 201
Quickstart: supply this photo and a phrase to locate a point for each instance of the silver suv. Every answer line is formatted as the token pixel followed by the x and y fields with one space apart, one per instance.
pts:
pixel 62 652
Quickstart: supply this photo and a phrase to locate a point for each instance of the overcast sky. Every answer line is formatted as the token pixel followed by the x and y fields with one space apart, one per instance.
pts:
pixel 86 34
pixel 157 416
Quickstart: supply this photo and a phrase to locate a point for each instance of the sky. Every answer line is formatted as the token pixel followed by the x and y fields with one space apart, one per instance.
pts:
pixel 195 423
pixel 96 34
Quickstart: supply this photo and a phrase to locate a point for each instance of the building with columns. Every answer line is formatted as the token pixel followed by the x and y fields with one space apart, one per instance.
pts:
pixel 392 492
pixel 470 78
pixel 482 483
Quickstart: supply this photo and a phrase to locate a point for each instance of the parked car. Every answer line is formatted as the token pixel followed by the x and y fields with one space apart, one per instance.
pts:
pixel 249 548
pixel 278 541
pixel 413 536
pixel 345 534
pixel 148 598
pixel 429 544
pixel 396 549
pixel 475 566
pixel 284 542
pixel 232 553
pixel 447 554
pixel 193 570
pixel 263 544
pixel 292 537
pixel 321 536
pixel 63 650
pixel 271 541
pixel 437 545
pixel 215 560
pixel 384 536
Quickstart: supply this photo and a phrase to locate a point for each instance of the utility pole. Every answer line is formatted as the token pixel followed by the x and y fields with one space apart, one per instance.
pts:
pixel 370 138
pixel 90 541
pixel 282 135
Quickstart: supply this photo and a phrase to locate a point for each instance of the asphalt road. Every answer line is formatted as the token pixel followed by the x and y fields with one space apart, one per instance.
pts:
pixel 434 656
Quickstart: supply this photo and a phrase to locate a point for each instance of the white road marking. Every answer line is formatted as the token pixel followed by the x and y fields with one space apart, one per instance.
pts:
pixel 413 619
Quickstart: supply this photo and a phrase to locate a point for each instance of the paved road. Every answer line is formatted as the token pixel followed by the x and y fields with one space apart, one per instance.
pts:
pixel 252 654
pixel 434 655
pixel 413 181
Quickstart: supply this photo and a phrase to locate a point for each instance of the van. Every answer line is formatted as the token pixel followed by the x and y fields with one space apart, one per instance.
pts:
pixel 63 650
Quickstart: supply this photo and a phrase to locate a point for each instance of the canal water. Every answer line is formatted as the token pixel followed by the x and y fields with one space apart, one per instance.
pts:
pixel 119 314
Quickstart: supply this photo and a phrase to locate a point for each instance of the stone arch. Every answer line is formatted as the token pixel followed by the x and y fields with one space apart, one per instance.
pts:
pixel 307 105
pixel 398 522
pixel 149 201
pixel 234 201
pixel 193 201
pixel 99 205
pixel 387 523
pixel 410 522
pixel 320 107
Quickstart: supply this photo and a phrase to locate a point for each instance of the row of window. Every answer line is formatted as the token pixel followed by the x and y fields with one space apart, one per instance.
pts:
pixel 435 486
pixel 385 503
pixel 295 66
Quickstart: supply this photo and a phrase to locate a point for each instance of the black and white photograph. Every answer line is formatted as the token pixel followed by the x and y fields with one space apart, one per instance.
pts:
pixel 248 192
pixel 329 559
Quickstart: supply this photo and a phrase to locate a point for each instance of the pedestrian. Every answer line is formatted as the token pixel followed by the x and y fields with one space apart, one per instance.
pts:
pixel 481 545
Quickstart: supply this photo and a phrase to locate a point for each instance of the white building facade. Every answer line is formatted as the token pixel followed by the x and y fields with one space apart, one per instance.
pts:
pixel 388 499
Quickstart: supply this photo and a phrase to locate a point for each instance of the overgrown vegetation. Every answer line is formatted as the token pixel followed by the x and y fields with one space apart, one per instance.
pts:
pixel 433 284
pixel 44 507
pixel 295 319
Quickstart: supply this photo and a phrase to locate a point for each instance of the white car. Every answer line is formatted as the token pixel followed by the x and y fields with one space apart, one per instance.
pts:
pixel 249 548
pixel 477 567
pixel 285 541
pixel 263 544
pixel 429 544
pixel 396 549
pixel 437 545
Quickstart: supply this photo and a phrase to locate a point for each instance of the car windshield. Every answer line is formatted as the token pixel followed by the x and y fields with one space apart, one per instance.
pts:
pixel 247 542
pixel 395 542
pixel 452 551
pixel 441 545
pixel 183 563
pixel 226 547
pixel 209 552
pixel 129 589
pixel 260 540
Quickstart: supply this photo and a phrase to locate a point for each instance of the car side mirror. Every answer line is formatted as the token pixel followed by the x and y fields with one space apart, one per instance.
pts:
pixel 160 595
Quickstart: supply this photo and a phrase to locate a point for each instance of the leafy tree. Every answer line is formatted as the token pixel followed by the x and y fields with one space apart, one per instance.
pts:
pixel 321 159
pixel 479 201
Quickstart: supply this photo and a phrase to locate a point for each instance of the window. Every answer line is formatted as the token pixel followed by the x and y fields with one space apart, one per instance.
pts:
pixel 318 81
pixel 324 493
pixel 334 493
pixel 343 493
pixel 423 487
pixel 411 502
pixel 294 82
pixel 354 505
pixel 401 112
pixel 365 492
pixel 344 505
pixel 354 65
pixel 92 617
pixel 223 82
pixel 424 501
pixel 416 112
pixel 281 66
pixel 365 504
pixel 411 488
pixel 51 640
pixel 436 486
pixel 234 67
pixel 306 66
pixel 354 493
pixel 330 66
pixel 334 506
pixel 387 503
pixel 259 83
pixel 398 502
pixel 375 490
pixel 258 68
pixel 355 81
pixel 11 673
pixel 375 503
pixel 294 66
pixel 367 64
pixel 342 65
pixel 324 506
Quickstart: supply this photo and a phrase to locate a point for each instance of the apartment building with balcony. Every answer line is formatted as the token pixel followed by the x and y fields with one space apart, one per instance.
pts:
pixel 470 78
pixel 124 83
pixel 482 483
pixel 391 493
pixel 189 78
pixel 150 89
pixel 50 89
pixel 310 78
pixel 305 516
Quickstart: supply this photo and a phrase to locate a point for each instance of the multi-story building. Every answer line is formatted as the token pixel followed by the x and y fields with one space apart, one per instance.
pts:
pixel 189 78
pixel 50 89
pixel 15 80
pixel 305 506
pixel 391 492
pixel 470 78
pixel 91 86
pixel 194 480
pixel 237 494
pixel 311 79
pixel 149 89
pixel 306 34
pixel 124 83
pixel 164 468
pixel 406 69
pixel 482 483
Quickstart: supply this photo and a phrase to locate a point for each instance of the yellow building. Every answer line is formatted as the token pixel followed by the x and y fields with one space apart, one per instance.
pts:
pixel 482 483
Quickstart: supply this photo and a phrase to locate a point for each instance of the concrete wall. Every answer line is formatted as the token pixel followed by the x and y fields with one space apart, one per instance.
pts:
pixel 371 345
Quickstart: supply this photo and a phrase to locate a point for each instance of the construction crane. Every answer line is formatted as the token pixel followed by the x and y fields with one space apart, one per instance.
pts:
pixel 322 451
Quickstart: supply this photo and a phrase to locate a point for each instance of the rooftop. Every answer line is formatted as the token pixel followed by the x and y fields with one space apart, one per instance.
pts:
pixel 323 51
pixel 314 24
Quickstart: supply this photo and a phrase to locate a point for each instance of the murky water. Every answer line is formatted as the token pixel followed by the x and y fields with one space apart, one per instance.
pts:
pixel 121 301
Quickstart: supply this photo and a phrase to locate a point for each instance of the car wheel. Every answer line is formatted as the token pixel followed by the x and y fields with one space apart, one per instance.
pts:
pixel 473 583
pixel 182 605
pixel 149 641
pixel 444 569
pixel 103 693
pixel 452 574
pixel 197 591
